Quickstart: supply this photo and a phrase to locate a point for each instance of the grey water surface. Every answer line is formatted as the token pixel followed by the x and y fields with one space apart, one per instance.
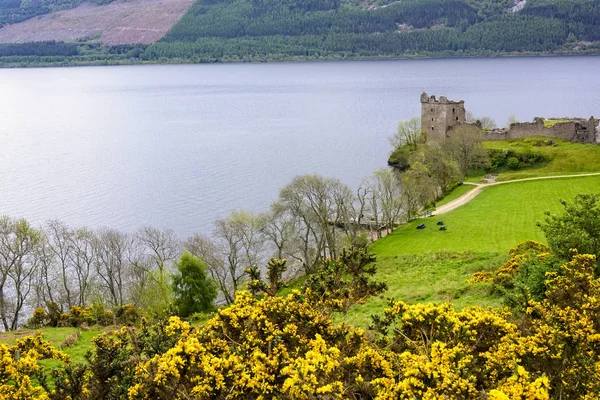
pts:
pixel 180 146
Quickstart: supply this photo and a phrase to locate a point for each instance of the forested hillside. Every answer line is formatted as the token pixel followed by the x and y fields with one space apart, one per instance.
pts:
pixel 264 30
pixel 247 29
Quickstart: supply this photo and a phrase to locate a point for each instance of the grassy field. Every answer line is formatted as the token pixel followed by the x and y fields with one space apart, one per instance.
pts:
pixel 494 221
pixel 435 277
pixel 565 157
pixel 431 265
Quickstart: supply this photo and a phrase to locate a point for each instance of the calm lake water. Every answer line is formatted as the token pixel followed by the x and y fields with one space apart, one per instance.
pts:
pixel 179 146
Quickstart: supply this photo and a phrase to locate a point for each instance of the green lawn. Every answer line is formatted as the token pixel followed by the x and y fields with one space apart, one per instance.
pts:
pixel 494 221
pixel 565 157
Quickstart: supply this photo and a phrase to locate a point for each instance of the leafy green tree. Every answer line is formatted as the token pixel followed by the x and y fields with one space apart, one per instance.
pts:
pixel 194 291
pixel 409 134
pixel 577 228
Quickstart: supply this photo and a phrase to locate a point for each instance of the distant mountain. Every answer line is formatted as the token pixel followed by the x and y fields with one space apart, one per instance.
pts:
pixel 263 30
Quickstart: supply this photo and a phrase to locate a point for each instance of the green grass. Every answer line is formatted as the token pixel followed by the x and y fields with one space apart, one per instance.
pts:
pixel 439 277
pixel 431 265
pixel 494 221
pixel 549 123
pixel 56 336
pixel 455 194
pixel 565 157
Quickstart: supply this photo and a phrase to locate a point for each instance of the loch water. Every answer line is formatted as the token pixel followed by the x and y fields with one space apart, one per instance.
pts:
pixel 179 146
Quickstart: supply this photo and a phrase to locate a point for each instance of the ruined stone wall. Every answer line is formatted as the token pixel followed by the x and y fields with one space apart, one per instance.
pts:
pixel 438 116
pixel 575 130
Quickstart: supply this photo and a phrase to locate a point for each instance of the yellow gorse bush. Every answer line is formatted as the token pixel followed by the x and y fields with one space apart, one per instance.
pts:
pixel 19 365
pixel 289 348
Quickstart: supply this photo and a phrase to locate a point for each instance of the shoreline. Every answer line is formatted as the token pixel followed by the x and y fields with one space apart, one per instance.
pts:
pixel 133 62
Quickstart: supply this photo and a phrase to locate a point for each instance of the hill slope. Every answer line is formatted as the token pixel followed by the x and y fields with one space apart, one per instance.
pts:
pixel 119 22
pixel 215 30
pixel 271 30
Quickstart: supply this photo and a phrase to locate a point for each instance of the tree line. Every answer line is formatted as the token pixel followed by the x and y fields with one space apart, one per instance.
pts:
pixel 313 219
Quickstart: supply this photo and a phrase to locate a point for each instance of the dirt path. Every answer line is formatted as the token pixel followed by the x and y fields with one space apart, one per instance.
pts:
pixel 470 195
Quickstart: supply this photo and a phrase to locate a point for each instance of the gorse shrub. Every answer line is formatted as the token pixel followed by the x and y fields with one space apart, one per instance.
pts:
pixel 277 347
pixel 95 314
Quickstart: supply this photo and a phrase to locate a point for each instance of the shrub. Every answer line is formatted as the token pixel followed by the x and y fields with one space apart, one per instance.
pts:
pixel 194 291
pixel 78 315
pixel 128 314
pixel 522 278
pixel 578 227
pixel 38 319
pixel 513 163
pixel 53 314
pixel 505 158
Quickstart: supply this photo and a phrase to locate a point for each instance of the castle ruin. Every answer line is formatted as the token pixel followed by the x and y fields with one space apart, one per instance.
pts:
pixel 440 117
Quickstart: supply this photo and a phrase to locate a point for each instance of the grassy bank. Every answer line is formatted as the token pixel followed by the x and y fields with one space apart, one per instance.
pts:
pixel 564 157
pixel 497 219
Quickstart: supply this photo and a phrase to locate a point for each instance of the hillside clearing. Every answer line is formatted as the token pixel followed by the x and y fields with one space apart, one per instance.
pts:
pixel 120 22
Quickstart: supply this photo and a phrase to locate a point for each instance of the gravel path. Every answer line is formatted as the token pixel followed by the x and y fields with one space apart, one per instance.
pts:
pixel 470 195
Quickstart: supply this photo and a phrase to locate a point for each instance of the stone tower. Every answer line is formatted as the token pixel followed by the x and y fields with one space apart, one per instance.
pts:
pixel 439 116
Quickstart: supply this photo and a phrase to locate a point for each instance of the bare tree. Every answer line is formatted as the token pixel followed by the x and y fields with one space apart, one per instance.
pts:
pixel 82 259
pixel 278 227
pixel 321 207
pixel 343 215
pixel 305 199
pixel 442 166
pixel 152 255
pixel 161 245
pixel 240 238
pixel 418 190
pixel 369 197
pixel 111 248
pixel 59 243
pixel 48 286
pixel 19 243
pixel 390 192
pixel 464 144
pixel 485 122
